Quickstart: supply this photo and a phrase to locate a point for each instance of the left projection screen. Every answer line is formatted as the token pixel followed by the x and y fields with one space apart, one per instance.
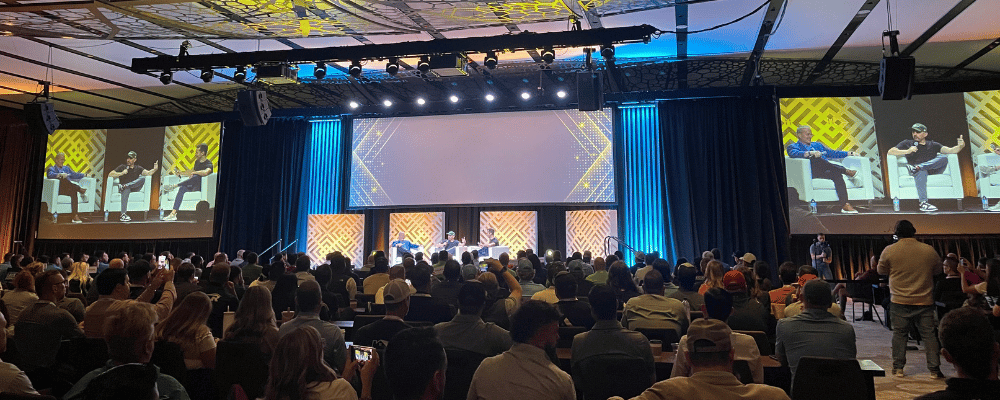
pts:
pixel 145 183
pixel 534 157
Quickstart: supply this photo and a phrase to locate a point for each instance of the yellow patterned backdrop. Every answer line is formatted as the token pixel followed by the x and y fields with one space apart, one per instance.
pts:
pixel 336 232
pixel 517 230
pixel 421 228
pixel 840 123
pixel 586 230
pixel 84 152
pixel 983 112
pixel 180 141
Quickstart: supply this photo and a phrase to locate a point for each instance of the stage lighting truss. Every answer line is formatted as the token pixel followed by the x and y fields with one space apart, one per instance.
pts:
pixel 392 67
pixel 166 77
pixel 548 55
pixel 355 68
pixel 207 74
pixel 490 61
pixel 320 71
pixel 240 75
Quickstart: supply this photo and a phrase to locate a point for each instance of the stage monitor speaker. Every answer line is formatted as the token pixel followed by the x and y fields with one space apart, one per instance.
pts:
pixel 41 117
pixel 589 91
pixel 253 107
pixel 895 79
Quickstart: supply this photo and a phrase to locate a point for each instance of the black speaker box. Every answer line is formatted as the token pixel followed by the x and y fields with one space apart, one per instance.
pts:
pixel 253 107
pixel 589 91
pixel 895 78
pixel 41 117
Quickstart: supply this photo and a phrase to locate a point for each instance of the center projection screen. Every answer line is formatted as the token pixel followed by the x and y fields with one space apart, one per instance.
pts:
pixel 534 157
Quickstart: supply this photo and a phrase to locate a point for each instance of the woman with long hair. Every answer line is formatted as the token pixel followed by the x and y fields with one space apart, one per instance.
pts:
pixel 254 321
pixel 620 280
pixel 298 372
pixel 713 276
pixel 79 278
pixel 283 295
pixel 186 326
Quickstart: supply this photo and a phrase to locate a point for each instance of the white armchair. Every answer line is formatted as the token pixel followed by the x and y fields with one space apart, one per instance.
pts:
pixel 799 175
pixel 496 251
pixel 989 184
pixel 395 258
pixel 60 204
pixel 946 185
pixel 137 201
pixel 191 199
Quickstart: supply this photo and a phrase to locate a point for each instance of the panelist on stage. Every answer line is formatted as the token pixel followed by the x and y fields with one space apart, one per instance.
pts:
pixel 69 183
pixel 820 253
pixel 818 156
pixel 402 245
pixel 130 179
pixel 924 157
pixel 491 241
pixel 202 167
pixel 450 244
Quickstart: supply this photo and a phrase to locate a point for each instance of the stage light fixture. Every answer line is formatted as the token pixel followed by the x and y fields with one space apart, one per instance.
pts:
pixel 392 67
pixel 320 71
pixel 525 95
pixel 206 74
pixel 166 77
pixel 453 98
pixel 421 101
pixel 490 97
pixel 561 94
pixel 240 75
pixel 608 51
pixel 387 103
pixel 354 104
pixel 548 55
pixel 355 68
pixel 490 61
pixel 424 65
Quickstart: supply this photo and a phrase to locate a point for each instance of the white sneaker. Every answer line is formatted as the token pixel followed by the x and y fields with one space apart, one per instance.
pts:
pixel 995 207
pixel 169 188
pixel 927 207
pixel 76 221
pixel 125 218
pixel 170 217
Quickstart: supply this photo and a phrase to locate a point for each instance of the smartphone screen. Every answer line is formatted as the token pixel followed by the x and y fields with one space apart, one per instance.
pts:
pixel 361 353
pixel 484 267
pixel 162 261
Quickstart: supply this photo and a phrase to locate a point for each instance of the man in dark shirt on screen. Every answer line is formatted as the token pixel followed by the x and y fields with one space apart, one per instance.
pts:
pixel 202 167
pixel 924 157
pixel 130 179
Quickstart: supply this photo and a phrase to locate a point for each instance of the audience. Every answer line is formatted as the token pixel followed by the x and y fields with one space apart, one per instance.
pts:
pixel 448 290
pixel 526 276
pixel 395 272
pixel 308 302
pixel 185 282
pixel 415 365
pixel 298 369
pixel 748 314
pixel 600 275
pixel 379 276
pixel 714 273
pixel 222 292
pixel 467 331
pixel 796 307
pixel 815 332
pixel 12 379
pixel 719 305
pixel 423 307
pixel 621 282
pixel 396 295
pixel 500 305
pixel 968 342
pixel 549 294
pixel 653 310
pixel 574 311
pixel 303 269
pixel 686 275
pixel 254 321
pixel 187 326
pixel 19 299
pixel 42 325
pixel 608 337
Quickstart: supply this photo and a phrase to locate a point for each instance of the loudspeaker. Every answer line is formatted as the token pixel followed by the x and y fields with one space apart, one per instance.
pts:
pixel 589 91
pixel 41 117
pixel 253 107
pixel 895 78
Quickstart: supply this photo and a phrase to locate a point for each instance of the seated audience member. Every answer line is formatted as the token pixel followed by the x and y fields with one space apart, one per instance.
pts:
pixel 500 305
pixel 308 302
pixel 526 276
pixel 342 280
pixel 79 278
pixel 710 354
pixel 298 370
pixel 714 272
pixel 796 307
pixel 748 314
pixel 396 295
pixel 600 275
pixel 467 331
pixel 187 327
pixel 574 311
pixel 251 270
pixel 990 287
pixel 415 365
pixel 969 343
pixel 19 299
pixel 718 305
pixel 815 332
pixel 270 279
pixel 395 272
pixel 185 281
pixel 378 278
pixel 303 269
pixel 283 296
pixel 582 284
pixel 448 290
pixel 949 290
pixel 535 330
pixel 44 315
pixel 12 379
pixel 254 321
pixel 686 275
pixel 787 273
pixel 129 334
pixel 140 275
pixel 664 267
pixel 423 307
pixel 620 280
pixel 549 294
pixel 608 337
pixel 223 295
pixel 470 272
pixel 653 310
pixel 641 267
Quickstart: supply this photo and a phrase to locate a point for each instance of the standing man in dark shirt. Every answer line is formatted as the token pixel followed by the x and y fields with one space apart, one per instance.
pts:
pixel 924 157
pixel 130 179
pixel 202 167
pixel 820 252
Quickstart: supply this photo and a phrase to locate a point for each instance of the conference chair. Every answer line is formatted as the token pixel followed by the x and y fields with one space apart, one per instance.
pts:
pixel 946 185
pixel 799 175
pixel 12 396
pixel 822 378
pixel 863 293
pixel 741 369
pixel 362 320
pixel 57 204
pixel 496 251
pixel 363 300
pixel 462 364
pixel 989 184
pixel 137 201
pixel 241 364
pixel 666 335
pixel 209 184
pixel 604 376
pixel 566 334
pixel 764 344
pixel 169 357
pixel 83 355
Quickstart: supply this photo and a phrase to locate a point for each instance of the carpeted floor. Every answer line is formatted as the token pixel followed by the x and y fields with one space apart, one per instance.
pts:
pixel 874 343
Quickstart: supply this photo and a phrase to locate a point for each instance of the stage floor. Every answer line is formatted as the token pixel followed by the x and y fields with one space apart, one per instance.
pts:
pixel 878 219
pixel 139 228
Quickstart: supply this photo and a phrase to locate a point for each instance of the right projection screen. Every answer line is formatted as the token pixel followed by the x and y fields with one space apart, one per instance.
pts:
pixel 949 184
pixel 533 157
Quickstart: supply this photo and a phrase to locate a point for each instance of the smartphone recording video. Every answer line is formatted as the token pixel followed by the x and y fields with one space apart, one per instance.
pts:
pixel 361 353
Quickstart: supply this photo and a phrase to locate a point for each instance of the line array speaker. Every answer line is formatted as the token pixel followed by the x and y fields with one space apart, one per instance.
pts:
pixel 589 91
pixel 41 117
pixel 253 106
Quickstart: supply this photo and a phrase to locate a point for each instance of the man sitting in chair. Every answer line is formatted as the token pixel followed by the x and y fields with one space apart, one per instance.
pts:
pixel 402 245
pixel 987 170
pixel 924 157
pixel 491 241
pixel 130 179
pixel 202 167
pixel 69 183
pixel 819 156
pixel 450 243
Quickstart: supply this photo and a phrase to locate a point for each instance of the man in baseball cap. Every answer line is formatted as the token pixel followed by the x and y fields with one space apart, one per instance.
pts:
pixel 924 157
pixel 396 295
pixel 131 178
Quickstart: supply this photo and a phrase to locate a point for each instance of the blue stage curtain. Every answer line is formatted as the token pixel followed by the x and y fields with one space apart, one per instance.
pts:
pixel 323 180
pixel 642 209
pixel 260 182
pixel 724 177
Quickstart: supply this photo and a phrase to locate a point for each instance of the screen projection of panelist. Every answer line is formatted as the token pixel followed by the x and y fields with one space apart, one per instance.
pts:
pixel 533 157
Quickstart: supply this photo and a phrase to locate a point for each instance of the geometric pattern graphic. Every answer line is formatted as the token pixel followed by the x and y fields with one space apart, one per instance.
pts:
pixel 982 109
pixel 423 228
pixel 180 143
pixel 586 230
pixel 84 151
pixel 517 230
pixel 336 232
pixel 370 136
pixel 840 123
pixel 593 152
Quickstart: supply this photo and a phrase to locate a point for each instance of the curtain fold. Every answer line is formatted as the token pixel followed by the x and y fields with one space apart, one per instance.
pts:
pixel 22 152
pixel 260 188
pixel 724 173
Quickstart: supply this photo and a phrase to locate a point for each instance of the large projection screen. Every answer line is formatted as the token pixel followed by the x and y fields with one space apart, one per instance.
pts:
pixel 535 157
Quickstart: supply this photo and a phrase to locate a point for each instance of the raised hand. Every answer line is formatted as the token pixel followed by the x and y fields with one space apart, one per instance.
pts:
pixel 961 140
pixel 911 150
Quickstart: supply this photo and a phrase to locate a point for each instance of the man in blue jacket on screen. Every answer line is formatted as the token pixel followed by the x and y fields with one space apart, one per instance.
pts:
pixel 819 156
pixel 69 183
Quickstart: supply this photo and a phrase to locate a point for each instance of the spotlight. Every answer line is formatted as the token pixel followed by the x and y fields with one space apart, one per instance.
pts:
pixel 490 97
pixel 392 67
pixel 166 77
pixel 320 71
pixel 387 103
pixel 525 95
pixel 608 51
pixel 421 101
pixel 453 98
pixel 491 60
pixel 424 65
pixel 241 74
pixel 548 55
pixel 355 68
pixel 561 94
pixel 353 104
pixel 206 75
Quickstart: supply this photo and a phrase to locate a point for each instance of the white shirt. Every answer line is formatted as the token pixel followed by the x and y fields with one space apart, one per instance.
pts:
pixel 537 377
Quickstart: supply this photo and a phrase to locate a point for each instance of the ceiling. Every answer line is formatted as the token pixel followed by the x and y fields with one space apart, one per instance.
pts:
pixel 85 47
